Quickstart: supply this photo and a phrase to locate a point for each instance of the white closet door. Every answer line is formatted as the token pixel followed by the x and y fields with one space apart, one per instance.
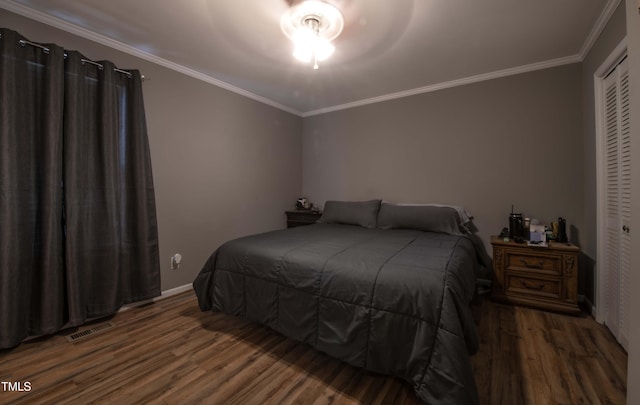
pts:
pixel 618 201
pixel 625 205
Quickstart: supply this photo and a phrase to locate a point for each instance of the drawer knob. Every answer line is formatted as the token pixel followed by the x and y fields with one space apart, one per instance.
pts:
pixel 532 265
pixel 532 287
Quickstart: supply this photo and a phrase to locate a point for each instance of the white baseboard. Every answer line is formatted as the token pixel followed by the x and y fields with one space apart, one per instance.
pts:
pixel 174 291
pixel 163 295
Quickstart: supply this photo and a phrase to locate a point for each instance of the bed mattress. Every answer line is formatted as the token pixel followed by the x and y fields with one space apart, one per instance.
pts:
pixel 392 301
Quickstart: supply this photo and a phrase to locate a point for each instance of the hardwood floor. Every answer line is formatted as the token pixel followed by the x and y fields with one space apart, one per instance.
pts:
pixel 171 353
pixel 529 356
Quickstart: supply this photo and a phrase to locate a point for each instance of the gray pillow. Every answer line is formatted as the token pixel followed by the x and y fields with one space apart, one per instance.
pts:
pixel 429 218
pixel 362 213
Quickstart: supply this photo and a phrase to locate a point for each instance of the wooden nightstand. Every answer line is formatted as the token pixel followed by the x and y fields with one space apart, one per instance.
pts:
pixel 302 217
pixel 540 277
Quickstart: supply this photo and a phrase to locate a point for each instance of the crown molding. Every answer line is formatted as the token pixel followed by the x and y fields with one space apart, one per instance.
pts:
pixel 598 27
pixel 453 83
pixel 593 36
pixel 111 43
pixel 28 12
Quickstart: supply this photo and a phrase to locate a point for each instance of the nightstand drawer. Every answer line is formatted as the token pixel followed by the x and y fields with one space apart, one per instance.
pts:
pixel 536 276
pixel 302 217
pixel 549 288
pixel 550 264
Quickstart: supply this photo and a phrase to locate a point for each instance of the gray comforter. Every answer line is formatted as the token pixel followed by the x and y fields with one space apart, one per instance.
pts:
pixel 391 301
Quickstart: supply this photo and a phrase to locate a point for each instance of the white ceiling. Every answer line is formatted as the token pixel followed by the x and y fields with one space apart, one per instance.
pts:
pixel 389 48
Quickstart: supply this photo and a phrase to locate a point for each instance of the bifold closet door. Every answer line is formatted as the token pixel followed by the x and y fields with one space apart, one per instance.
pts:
pixel 618 201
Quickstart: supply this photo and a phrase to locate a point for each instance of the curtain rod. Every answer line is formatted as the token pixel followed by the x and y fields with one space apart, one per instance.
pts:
pixel 24 42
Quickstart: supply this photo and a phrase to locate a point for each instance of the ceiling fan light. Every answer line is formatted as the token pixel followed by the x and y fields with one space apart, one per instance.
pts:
pixel 323 49
pixel 308 46
pixel 312 25
pixel 305 37
pixel 303 54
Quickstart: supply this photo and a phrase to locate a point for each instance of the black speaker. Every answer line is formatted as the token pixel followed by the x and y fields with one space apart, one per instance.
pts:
pixel 516 227
pixel 562 230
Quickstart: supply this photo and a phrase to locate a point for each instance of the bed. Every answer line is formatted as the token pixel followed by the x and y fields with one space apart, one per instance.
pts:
pixel 384 287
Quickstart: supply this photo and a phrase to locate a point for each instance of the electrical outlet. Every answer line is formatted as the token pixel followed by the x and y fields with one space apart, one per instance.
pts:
pixel 175 261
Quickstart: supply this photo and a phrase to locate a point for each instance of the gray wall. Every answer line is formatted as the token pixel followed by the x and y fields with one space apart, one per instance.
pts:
pixel 224 165
pixel 633 50
pixel 514 140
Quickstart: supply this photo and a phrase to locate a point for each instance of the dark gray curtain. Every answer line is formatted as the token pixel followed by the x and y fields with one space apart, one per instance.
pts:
pixel 78 233
pixel 32 278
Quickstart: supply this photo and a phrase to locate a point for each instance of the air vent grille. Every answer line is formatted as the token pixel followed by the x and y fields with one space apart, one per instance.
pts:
pixel 83 334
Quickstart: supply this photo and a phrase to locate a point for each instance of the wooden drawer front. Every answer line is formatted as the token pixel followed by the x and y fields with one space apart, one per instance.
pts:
pixel 300 218
pixel 539 277
pixel 534 262
pixel 303 217
pixel 548 288
pixel 293 224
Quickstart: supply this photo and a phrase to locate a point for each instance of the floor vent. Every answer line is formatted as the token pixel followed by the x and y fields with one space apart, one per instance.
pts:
pixel 83 334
